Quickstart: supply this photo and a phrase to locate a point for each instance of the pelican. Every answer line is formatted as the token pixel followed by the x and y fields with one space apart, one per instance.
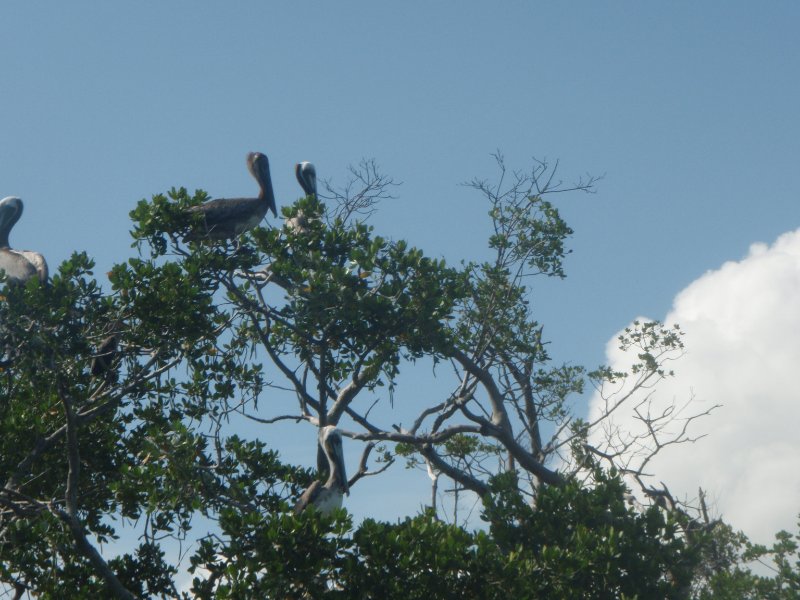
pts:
pixel 326 497
pixel 307 178
pixel 19 265
pixel 226 218
pixel 105 355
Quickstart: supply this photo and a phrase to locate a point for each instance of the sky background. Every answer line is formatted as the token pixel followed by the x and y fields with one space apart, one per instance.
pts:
pixel 689 111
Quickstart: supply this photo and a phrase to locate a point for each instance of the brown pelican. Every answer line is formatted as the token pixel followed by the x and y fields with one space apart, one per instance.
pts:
pixel 105 355
pixel 19 265
pixel 307 177
pixel 326 497
pixel 228 217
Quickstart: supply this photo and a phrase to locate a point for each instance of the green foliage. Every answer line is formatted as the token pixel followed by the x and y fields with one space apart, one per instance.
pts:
pixel 587 542
pixel 421 557
pixel 578 543
pixel 362 300
pixel 268 555
pixel 149 448
pixel 733 579
pixel 652 341
pixel 140 453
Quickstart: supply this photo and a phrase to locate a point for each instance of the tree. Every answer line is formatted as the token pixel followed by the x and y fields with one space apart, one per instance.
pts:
pixel 116 412
pixel 730 554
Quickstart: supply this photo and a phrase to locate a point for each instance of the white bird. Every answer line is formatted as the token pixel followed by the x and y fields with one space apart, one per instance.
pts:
pixel 19 265
pixel 226 218
pixel 326 497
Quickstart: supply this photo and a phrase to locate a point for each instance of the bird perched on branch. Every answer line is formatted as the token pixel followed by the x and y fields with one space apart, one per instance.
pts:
pixel 105 355
pixel 307 178
pixel 328 496
pixel 226 218
pixel 19 265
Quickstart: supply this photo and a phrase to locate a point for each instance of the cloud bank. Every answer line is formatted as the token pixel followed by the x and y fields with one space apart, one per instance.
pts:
pixel 742 337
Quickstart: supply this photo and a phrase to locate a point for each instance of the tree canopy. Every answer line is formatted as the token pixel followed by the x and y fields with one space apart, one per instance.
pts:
pixel 119 412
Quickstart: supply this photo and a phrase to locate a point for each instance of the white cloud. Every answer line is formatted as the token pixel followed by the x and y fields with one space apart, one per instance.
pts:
pixel 742 336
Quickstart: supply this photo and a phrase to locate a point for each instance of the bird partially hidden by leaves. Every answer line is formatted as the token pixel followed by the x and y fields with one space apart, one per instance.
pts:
pixel 226 218
pixel 18 265
pixel 307 178
pixel 104 356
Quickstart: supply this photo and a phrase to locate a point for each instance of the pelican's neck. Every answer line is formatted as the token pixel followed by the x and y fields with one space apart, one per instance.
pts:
pixel 6 223
pixel 5 230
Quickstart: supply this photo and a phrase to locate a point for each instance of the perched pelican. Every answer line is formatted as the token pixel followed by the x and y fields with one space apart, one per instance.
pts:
pixel 228 217
pixel 105 355
pixel 19 265
pixel 307 178
pixel 326 497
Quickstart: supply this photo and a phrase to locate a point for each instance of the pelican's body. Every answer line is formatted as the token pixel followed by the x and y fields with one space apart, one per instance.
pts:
pixel 326 497
pixel 19 265
pixel 226 218
pixel 307 178
pixel 106 353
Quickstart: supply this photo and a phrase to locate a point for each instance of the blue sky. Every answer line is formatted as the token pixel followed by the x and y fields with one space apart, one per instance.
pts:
pixel 689 110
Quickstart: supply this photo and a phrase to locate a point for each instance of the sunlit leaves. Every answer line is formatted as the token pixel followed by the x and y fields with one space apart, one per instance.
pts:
pixel 163 218
pixel 654 345
pixel 363 300
pixel 335 308
pixel 529 232
pixel 590 540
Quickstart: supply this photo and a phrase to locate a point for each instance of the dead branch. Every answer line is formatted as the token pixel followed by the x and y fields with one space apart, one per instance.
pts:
pixel 361 193
pixel 362 467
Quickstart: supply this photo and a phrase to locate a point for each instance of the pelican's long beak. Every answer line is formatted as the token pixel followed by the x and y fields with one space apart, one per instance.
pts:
pixel 271 200
pixel 339 458
pixel 258 164
pixel 266 178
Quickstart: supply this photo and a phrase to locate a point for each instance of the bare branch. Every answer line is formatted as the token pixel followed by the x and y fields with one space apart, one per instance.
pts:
pixel 73 456
pixel 295 418
pixel 362 192
pixel 362 467
pixel 499 414
pixel 469 482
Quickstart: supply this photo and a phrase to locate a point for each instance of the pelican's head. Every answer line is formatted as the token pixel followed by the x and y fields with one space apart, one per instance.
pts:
pixel 10 212
pixel 307 177
pixel 330 439
pixel 258 165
